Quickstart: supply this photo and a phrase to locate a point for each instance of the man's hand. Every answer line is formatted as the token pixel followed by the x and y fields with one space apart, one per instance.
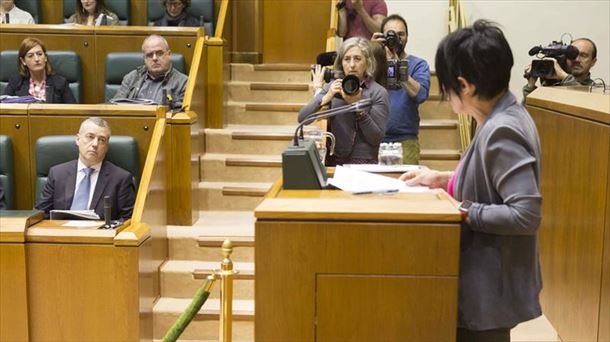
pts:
pixel 358 6
pixel 378 37
pixel 531 81
pixel 426 177
pixel 559 73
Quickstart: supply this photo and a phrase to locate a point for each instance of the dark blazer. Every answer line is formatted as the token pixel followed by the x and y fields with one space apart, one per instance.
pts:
pixel 58 92
pixel 2 204
pixel 112 181
pixel 500 275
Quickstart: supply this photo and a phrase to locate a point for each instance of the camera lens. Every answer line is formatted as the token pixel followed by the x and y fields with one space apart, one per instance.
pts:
pixel 350 84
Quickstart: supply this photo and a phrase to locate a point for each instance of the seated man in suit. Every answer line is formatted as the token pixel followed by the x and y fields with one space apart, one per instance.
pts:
pixel 83 183
pixel 155 76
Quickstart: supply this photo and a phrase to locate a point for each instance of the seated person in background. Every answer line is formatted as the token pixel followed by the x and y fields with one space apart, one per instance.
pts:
pixel 11 14
pixel 83 183
pixel 357 134
pixel 360 18
pixel 578 69
pixel 157 74
pixel 36 77
pixel 176 14
pixel 93 13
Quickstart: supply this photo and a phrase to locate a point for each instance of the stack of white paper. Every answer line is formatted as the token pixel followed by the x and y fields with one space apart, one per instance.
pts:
pixel 350 179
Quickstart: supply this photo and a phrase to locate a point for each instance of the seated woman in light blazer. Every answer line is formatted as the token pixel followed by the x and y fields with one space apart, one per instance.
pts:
pixel 498 183
pixel 36 77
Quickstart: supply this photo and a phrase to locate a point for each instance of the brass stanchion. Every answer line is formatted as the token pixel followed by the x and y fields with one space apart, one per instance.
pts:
pixel 226 274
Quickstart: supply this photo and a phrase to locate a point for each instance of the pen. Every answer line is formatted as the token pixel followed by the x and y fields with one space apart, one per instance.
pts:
pixel 374 192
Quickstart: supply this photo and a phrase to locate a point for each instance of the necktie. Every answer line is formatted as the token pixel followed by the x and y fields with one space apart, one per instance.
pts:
pixel 81 198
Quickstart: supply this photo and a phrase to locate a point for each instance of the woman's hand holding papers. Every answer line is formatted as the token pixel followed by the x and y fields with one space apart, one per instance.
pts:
pixel 426 177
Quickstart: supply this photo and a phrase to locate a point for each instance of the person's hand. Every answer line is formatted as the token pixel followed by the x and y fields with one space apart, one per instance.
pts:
pixel 334 88
pixel 357 5
pixel 426 177
pixel 317 76
pixel 531 81
pixel 378 37
pixel 352 98
pixel 559 73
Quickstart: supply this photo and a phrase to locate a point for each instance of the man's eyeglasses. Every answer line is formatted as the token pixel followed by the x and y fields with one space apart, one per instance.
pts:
pixel 159 54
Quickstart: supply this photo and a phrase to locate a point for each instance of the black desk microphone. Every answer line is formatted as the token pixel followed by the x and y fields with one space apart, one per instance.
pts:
pixel 6 18
pixel 107 211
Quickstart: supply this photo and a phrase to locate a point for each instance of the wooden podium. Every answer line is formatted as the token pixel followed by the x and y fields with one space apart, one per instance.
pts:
pixel 574 128
pixel 333 266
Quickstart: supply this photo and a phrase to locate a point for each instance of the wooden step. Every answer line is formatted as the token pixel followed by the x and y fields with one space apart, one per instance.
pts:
pixel 268 73
pixel 282 67
pixel 217 241
pixel 279 86
pixel 218 167
pixel 231 195
pixel 282 136
pixel 238 114
pixel 182 278
pixel 275 107
pixel 205 326
pixel 440 154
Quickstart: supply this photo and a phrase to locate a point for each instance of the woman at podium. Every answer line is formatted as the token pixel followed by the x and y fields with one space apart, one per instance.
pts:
pixel 496 181
pixel 358 133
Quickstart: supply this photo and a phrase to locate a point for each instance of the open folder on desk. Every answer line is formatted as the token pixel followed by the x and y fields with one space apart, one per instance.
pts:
pixel 356 181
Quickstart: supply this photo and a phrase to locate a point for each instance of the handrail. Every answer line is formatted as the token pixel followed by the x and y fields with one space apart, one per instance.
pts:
pixel 147 172
pixel 222 15
pixel 331 40
pixel 192 79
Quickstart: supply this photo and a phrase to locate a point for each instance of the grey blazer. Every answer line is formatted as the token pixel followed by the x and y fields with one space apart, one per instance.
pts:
pixel 499 271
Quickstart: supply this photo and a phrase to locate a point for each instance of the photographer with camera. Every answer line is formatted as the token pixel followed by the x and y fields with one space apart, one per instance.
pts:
pixel 408 84
pixel 571 65
pixel 357 134
pixel 360 18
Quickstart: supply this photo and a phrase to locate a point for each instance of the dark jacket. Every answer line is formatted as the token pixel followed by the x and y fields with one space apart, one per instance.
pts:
pixel 184 20
pixel 58 191
pixel 58 90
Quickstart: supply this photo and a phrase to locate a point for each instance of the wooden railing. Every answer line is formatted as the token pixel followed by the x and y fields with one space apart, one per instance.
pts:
pixel 214 51
pixel 331 34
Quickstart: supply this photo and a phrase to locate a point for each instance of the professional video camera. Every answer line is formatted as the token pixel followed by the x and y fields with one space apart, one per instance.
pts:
pixel 544 68
pixel 350 83
pixel 398 72
pixel 392 41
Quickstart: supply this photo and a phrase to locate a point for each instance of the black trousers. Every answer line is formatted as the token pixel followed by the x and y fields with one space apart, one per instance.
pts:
pixel 495 335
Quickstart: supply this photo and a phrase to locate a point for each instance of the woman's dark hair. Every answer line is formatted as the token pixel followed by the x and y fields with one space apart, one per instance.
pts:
pixel 81 13
pixel 480 54
pixel 185 4
pixel 26 45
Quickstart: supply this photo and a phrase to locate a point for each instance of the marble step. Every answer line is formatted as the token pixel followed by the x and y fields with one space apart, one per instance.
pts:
pixel 231 195
pixel 299 73
pixel 182 278
pixel 268 92
pixel 205 326
pixel 203 240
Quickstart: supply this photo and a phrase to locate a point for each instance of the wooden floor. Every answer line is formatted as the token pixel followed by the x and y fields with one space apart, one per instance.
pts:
pixel 539 330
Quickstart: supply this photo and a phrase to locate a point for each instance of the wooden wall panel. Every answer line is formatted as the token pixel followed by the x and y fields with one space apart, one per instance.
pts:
pixel 13 293
pixel 294 31
pixel 604 309
pixel 85 306
pixel 52 12
pixel 574 182
pixel 17 128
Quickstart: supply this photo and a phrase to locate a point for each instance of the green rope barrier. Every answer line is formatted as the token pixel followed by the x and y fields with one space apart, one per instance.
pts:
pixel 187 316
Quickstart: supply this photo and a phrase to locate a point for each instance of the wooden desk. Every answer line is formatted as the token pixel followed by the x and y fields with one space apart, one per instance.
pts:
pixel 574 130
pixel 335 266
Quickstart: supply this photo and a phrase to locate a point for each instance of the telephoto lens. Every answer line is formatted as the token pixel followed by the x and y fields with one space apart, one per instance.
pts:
pixel 350 84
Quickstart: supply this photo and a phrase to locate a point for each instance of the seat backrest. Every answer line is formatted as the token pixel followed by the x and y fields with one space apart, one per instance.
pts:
pixel 7 175
pixel 118 7
pixel 56 149
pixel 119 64
pixel 65 63
pixel 203 9
pixel 32 7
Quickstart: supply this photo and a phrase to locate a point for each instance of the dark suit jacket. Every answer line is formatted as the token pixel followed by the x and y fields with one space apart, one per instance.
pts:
pixel 112 181
pixel 59 90
pixel 2 204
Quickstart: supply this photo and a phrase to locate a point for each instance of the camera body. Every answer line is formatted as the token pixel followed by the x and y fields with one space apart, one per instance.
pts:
pixel 392 41
pixel 398 72
pixel 544 69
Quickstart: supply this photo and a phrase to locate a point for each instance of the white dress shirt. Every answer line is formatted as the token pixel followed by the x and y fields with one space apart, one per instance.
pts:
pixel 18 16
pixel 81 174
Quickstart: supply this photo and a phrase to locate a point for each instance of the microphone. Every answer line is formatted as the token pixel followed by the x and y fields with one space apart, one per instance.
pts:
pixel 301 165
pixel 107 211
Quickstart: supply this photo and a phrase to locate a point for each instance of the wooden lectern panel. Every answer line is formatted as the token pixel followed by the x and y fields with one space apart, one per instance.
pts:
pixel 17 128
pixel 367 308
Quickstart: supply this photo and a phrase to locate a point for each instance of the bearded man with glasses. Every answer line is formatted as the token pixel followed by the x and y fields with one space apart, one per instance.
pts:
pixel 156 80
